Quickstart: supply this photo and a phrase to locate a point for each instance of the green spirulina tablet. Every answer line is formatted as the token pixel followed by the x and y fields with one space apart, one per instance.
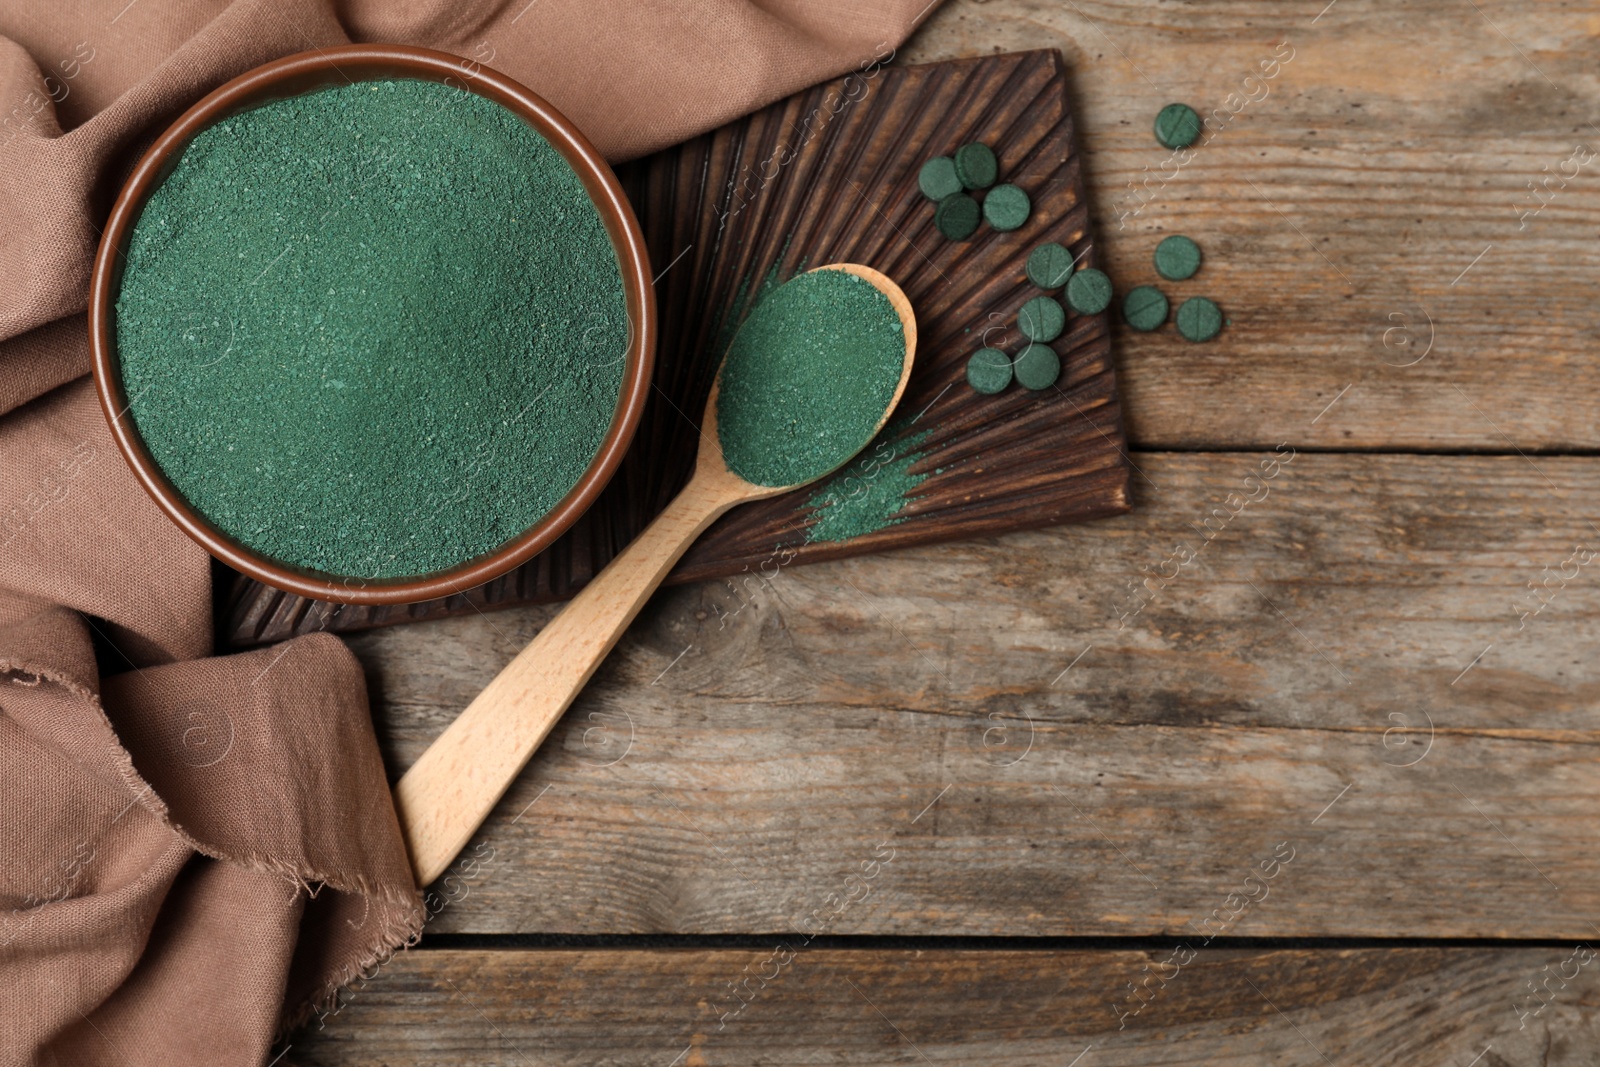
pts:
pixel 1177 258
pixel 1177 126
pixel 976 166
pixel 1037 367
pixel 1199 319
pixel 1042 319
pixel 1145 307
pixel 937 179
pixel 1089 291
pixel 989 370
pixel 957 216
pixel 1049 266
pixel 1006 207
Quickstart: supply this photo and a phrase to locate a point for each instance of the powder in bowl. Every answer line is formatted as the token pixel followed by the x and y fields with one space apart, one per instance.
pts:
pixel 808 378
pixel 374 331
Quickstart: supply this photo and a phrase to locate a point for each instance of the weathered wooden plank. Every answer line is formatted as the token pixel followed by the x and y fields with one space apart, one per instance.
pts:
pixel 1343 198
pixel 789 1005
pixel 1340 667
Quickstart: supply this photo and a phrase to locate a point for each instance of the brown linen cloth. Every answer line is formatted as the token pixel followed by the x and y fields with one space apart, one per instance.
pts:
pixel 197 851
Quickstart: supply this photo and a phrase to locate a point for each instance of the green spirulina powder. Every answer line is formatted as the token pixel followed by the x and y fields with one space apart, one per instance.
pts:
pixel 374 331
pixel 871 493
pixel 808 378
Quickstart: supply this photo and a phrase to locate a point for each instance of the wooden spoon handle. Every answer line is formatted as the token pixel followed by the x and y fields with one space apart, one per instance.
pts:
pixel 450 790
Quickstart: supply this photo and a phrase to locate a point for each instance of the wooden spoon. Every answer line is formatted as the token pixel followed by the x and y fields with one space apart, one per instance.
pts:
pixel 450 790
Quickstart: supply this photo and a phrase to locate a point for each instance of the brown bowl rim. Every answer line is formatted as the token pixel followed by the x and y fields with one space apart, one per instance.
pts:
pixel 256 87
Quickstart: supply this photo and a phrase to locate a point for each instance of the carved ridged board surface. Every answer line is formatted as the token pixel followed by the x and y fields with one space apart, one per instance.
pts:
pixel 830 175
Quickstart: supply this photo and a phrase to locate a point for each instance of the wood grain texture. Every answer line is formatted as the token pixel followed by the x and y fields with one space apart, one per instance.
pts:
pixel 1350 641
pixel 1024 1008
pixel 829 176
pixel 1340 205
pixel 444 796
pixel 1345 666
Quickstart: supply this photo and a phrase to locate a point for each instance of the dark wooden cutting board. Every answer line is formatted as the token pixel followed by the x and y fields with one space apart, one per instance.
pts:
pixel 830 175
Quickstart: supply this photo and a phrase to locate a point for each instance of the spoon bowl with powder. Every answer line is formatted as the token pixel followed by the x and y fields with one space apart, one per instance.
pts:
pixel 808 381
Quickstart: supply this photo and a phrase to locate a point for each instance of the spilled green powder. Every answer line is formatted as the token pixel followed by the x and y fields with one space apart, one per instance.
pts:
pixel 808 377
pixel 373 331
pixel 869 494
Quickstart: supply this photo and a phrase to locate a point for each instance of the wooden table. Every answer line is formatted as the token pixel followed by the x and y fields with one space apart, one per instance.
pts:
pixel 1289 770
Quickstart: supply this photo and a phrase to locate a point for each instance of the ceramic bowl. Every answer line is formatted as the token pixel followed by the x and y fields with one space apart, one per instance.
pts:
pixel 325 68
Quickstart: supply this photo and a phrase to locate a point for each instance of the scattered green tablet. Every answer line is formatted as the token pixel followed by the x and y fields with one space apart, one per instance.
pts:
pixel 937 179
pixel 1006 207
pixel 1049 266
pixel 989 370
pixel 1042 319
pixel 1177 258
pixel 976 166
pixel 1038 367
pixel 957 216
pixel 1177 126
pixel 1199 319
pixel 1145 307
pixel 1089 291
